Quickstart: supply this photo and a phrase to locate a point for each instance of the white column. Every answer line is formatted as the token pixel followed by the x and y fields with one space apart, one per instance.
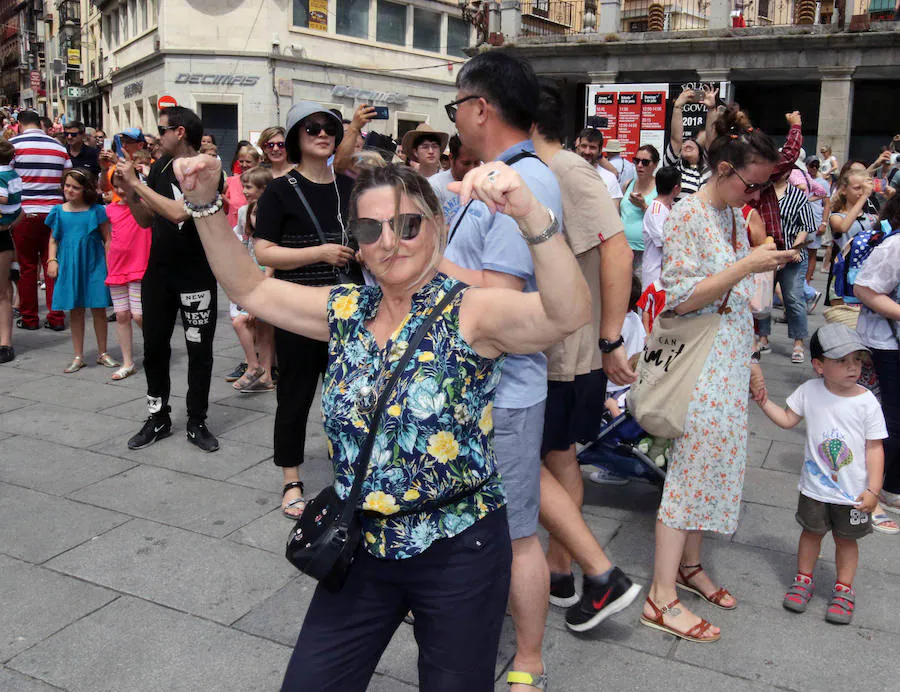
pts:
pixel 510 17
pixel 610 17
pixel 836 109
pixel 444 24
pixel 373 19
pixel 719 14
pixel 332 16
pixel 409 26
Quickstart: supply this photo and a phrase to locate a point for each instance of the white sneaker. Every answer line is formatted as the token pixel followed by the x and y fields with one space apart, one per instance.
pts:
pixel 603 476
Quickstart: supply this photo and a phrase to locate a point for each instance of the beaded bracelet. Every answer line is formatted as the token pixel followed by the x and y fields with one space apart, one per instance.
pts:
pixel 201 211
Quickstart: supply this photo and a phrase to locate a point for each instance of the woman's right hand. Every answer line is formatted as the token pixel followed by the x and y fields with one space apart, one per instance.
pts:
pixel 766 258
pixel 199 177
pixel 686 96
pixel 336 255
pixel 52 269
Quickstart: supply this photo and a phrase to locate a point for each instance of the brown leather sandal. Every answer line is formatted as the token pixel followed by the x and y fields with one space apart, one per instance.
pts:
pixel 695 634
pixel 684 582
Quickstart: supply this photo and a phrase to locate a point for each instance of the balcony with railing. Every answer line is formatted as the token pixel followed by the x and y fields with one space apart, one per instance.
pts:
pixel 548 17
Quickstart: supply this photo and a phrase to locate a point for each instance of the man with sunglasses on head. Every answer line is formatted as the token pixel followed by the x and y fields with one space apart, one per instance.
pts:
pixel 82 155
pixel 178 280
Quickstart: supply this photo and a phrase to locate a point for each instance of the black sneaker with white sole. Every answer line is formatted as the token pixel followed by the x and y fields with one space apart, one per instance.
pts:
pixel 562 592
pixel 599 602
pixel 155 428
pixel 199 435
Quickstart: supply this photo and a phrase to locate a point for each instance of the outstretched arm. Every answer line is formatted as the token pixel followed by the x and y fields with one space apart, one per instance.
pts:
pixel 782 417
pixel 296 308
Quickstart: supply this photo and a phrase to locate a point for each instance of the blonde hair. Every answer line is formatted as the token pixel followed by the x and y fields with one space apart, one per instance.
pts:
pixel 265 136
pixel 839 201
pixel 249 149
pixel 257 177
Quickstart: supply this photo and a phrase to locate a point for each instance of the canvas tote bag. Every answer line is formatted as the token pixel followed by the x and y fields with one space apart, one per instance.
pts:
pixel 670 366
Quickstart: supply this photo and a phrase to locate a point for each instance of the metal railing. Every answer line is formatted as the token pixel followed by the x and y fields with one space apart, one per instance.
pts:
pixel 548 17
pixel 799 12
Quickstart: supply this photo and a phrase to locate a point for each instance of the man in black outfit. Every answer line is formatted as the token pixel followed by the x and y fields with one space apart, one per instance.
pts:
pixel 178 279
pixel 81 154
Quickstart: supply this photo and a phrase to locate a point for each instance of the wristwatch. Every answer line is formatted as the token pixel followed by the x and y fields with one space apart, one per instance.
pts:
pixel 607 346
pixel 548 233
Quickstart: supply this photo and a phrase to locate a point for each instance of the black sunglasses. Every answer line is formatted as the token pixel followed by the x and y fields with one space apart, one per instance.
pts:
pixel 641 162
pixel 73 134
pixel 453 106
pixel 368 231
pixel 274 145
pixel 750 188
pixel 314 128
pixel 162 129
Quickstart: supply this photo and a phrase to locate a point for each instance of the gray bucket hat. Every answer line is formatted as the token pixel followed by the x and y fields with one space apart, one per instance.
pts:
pixel 300 111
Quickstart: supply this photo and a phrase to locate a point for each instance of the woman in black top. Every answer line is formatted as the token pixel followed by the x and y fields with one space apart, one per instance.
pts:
pixel 288 241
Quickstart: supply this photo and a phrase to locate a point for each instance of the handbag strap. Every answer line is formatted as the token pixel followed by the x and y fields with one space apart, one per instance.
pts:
pixel 312 215
pixel 365 452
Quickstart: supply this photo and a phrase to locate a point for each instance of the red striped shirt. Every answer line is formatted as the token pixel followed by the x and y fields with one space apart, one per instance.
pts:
pixel 40 162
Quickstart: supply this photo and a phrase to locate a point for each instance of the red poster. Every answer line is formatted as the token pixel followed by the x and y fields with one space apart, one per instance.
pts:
pixel 653 110
pixel 606 106
pixel 629 123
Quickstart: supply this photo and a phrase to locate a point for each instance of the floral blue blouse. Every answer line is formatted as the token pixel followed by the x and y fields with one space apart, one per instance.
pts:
pixel 435 443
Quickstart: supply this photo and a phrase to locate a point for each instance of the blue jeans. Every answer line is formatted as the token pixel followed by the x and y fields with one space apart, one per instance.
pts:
pixel 791 279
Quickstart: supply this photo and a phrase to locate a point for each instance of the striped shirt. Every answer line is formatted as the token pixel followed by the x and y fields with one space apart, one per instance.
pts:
pixel 692 177
pixel 11 188
pixel 796 216
pixel 40 161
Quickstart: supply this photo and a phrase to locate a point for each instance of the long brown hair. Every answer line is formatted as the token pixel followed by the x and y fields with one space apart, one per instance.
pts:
pixel 86 179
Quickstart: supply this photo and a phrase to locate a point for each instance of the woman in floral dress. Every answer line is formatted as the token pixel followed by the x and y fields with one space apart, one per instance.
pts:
pixel 435 536
pixel 707 259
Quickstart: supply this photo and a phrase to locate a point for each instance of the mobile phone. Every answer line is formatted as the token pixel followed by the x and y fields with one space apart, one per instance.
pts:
pixel 107 144
pixel 381 113
pixel 117 143
pixel 600 122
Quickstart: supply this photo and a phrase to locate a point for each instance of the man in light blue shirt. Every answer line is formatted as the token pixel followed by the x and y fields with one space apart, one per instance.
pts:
pixel 497 95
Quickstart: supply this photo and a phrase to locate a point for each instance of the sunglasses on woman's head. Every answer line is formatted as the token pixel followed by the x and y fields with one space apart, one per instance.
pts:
pixel 368 231
pixel 274 145
pixel 314 128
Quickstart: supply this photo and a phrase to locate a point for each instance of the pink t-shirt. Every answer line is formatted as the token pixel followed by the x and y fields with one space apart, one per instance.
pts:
pixel 129 248
pixel 234 195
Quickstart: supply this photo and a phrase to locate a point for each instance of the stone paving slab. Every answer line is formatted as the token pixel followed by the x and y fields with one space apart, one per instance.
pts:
pixel 219 418
pixel 45 602
pixel 11 403
pixel 269 533
pixel 177 454
pixel 57 424
pixel 53 468
pixel 13 378
pixel 63 390
pixel 256 431
pixel 10 681
pixel 178 499
pixel 786 456
pixel 764 486
pixel 143 647
pixel 37 526
pixel 218 580
pixel 280 616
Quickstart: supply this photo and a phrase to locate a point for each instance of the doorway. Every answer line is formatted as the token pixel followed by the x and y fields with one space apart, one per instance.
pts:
pixel 221 121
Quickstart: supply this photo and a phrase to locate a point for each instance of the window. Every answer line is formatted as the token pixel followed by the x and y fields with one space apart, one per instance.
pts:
pixel 132 10
pixel 123 24
pixel 154 12
pixel 391 23
pixel 763 8
pixel 353 18
pixel 426 30
pixel 457 36
pixel 301 13
pixel 144 25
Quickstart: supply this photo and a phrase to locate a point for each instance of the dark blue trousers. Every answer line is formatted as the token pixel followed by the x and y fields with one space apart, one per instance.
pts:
pixel 887 366
pixel 457 589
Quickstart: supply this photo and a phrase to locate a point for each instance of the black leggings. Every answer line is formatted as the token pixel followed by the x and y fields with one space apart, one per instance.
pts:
pixel 887 366
pixel 166 291
pixel 301 362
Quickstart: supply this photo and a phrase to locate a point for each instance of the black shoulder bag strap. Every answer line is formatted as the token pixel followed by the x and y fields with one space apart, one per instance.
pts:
pixel 365 452
pixel 312 215
pixel 512 160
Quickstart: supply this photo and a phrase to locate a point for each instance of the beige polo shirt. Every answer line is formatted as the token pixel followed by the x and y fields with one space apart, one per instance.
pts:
pixel 589 218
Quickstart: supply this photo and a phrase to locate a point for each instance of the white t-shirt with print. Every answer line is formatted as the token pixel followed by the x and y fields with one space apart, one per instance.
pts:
pixel 651 268
pixel 837 428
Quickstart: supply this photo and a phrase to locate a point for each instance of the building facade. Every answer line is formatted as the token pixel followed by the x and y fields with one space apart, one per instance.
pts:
pixel 241 64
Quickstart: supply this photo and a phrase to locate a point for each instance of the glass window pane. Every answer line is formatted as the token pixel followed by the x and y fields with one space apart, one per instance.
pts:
pixel 391 23
pixel 353 18
pixel 426 30
pixel 144 16
pixel 301 13
pixel 132 10
pixel 457 36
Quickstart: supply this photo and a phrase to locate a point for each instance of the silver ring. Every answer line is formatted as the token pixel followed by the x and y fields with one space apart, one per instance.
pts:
pixel 491 176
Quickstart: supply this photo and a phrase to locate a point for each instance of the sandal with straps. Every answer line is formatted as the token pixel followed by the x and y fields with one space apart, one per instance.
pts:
pixel 716 598
pixel 295 503
pixel 695 634
pixel 520 677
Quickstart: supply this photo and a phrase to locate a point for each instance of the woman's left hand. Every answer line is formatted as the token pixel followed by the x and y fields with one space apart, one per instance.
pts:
pixel 758 384
pixel 637 199
pixel 501 189
pixel 199 177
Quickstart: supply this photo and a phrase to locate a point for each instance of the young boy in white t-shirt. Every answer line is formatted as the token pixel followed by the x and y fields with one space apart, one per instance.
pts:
pixel 844 466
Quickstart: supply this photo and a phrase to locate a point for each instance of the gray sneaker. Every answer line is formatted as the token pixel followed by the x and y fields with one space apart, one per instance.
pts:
pixel 840 607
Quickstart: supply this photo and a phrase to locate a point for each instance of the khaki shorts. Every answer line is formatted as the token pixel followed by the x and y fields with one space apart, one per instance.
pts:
pixel 843 521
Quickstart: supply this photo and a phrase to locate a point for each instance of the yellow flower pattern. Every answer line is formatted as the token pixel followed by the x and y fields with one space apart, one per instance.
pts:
pixel 443 446
pixel 345 306
pixel 486 422
pixel 380 502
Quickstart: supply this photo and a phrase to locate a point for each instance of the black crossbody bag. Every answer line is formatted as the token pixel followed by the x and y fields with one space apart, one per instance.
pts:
pixel 346 275
pixel 323 542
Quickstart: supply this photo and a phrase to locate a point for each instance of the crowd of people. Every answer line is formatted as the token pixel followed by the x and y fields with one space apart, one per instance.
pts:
pixel 334 245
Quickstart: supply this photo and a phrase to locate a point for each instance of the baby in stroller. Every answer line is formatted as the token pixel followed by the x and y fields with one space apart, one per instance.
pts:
pixel 622 450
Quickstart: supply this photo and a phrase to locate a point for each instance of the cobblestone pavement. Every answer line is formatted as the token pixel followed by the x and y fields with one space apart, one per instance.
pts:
pixel 163 570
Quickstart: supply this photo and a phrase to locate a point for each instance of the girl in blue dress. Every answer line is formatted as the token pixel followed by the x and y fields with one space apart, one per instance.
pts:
pixel 77 260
